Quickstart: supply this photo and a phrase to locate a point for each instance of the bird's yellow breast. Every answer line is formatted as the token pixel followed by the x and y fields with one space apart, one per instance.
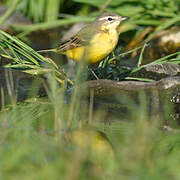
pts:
pixel 98 48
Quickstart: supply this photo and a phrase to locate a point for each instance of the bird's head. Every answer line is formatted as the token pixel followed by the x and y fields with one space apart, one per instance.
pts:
pixel 109 21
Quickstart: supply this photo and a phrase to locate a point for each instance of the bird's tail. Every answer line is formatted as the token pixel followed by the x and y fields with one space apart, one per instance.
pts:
pixel 46 50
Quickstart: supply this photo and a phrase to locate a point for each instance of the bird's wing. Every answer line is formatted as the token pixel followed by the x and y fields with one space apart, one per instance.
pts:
pixel 82 38
pixel 71 43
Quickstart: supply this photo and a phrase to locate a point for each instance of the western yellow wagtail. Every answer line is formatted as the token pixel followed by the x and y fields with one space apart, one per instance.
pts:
pixel 93 42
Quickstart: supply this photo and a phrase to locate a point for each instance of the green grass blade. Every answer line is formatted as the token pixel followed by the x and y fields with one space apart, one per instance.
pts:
pixel 141 55
pixel 9 11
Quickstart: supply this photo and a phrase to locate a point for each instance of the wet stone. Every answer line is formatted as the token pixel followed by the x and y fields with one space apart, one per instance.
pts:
pixel 158 71
pixel 118 99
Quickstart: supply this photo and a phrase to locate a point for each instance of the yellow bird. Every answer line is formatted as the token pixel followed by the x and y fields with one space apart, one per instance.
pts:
pixel 89 139
pixel 93 42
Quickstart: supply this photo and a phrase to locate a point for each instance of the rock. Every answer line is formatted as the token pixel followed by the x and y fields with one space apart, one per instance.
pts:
pixel 124 96
pixel 158 71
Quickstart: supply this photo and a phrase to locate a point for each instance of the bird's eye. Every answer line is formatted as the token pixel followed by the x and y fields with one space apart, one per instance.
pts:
pixel 110 19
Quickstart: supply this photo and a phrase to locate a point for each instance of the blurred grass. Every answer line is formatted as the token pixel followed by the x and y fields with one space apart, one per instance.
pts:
pixel 26 29
pixel 52 12
pixel 9 12
pixel 29 145
pixel 39 10
pixel 161 14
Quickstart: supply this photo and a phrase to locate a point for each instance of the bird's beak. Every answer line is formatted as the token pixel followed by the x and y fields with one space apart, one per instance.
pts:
pixel 124 18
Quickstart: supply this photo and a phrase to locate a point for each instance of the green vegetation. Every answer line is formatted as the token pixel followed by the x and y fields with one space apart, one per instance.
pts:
pixel 34 143
pixel 31 149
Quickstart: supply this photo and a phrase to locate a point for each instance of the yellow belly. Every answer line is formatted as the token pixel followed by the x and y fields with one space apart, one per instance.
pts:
pixel 100 46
